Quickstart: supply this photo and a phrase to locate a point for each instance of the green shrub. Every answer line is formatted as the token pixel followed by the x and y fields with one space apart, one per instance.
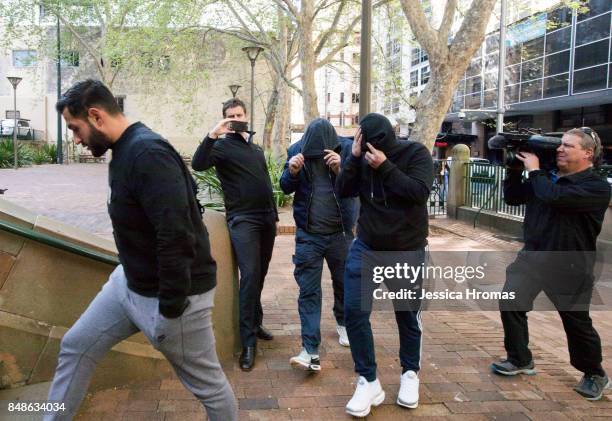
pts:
pixel 39 156
pixel 209 184
pixel 51 151
pixel 25 155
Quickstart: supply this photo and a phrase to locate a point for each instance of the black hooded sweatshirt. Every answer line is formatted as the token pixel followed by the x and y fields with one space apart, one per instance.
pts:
pixel 324 211
pixel 393 213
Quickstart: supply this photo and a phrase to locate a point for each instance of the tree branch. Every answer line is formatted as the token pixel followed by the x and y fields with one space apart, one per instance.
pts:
pixel 447 21
pixel 341 45
pixel 421 28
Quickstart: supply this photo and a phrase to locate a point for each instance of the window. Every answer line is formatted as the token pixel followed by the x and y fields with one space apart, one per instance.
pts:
pixel 328 97
pixel 512 94
pixel 490 99
pixel 474 68
pixel 533 48
pixel 558 18
pixel 490 81
pixel 593 29
pixel 591 54
pixel 416 56
pixel 472 101
pixel 25 58
pixel 395 106
pixel 424 56
pixel 491 62
pixel 474 85
pixel 531 70
pixel 531 90
pixel 590 79
pixel 513 55
pixel 121 102
pixel 355 98
pixel 414 78
pixel 425 75
pixel 595 7
pixel 557 63
pixel 492 43
pixel 556 85
pixel 513 74
pixel 342 97
pixel 558 40
pixel 70 59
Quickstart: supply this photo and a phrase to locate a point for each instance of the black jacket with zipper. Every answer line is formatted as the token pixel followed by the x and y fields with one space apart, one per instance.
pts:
pixel 393 213
pixel 242 170
pixel 157 222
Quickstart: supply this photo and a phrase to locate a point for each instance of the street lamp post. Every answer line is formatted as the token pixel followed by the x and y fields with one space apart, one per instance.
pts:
pixel 234 89
pixel 502 67
pixel 252 51
pixel 60 147
pixel 365 65
pixel 14 81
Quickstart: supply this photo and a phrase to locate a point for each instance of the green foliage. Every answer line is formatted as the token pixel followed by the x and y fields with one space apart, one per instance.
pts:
pixel 47 154
pixel 275 170
pixel 210 186
pixel 24 154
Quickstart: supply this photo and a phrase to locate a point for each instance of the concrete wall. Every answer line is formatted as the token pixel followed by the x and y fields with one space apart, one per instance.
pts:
pixel 43 290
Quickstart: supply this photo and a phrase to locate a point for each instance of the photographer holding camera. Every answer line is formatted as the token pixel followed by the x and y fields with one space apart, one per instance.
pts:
pixel 564 215
pixel 250 210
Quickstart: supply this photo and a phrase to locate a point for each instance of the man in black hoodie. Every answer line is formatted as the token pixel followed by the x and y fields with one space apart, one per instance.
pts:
pixel 324 231
pixel 392 179
pixel 251 215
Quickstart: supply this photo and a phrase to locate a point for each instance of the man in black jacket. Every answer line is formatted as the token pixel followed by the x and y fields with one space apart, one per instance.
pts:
pixel 251 215
pixel 563 217
pixel 392 179
pixel 324 231
pixel 165 284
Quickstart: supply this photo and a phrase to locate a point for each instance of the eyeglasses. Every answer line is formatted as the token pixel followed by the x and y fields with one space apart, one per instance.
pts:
pixel 587 130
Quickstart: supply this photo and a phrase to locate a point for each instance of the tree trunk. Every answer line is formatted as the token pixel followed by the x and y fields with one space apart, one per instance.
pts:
pixel 308 63
pixel 282 122
pixel 272 108
pixel 432 105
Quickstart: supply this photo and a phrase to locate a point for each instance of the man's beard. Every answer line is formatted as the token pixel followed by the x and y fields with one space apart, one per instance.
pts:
pixel 98 143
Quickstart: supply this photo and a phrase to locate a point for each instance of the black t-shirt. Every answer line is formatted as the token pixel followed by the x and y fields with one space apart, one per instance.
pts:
pixel 324 214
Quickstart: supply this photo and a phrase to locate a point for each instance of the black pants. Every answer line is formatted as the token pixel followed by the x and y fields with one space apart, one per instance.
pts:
pixel 526 281
pixel 252 238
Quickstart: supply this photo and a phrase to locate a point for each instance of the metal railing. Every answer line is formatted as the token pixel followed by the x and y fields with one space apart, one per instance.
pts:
pixel 68 246
pixel 484 189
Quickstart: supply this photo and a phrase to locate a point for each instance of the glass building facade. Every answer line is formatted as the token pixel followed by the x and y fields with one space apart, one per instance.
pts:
pixel 558 53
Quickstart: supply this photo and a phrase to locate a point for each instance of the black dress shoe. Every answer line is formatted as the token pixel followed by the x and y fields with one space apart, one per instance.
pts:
pixel 247 358
pixel 264 334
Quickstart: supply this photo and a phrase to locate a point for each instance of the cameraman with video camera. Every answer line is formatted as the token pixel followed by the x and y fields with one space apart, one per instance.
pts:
pixel 564 215
pixel 251 213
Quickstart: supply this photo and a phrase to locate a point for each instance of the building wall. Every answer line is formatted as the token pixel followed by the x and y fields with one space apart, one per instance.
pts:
pixel 182 120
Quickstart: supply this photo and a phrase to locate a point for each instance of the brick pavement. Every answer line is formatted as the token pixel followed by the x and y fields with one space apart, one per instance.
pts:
pixel 458 346
pixel 456 382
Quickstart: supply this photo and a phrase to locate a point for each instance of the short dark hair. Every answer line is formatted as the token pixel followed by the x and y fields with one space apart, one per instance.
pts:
pixel 86 94
pixel 232 103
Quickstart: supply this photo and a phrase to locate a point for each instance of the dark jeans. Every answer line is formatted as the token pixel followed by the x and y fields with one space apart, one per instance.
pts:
pixel 523 278
pixel 310 250
pixel 252 238
pixel 357 316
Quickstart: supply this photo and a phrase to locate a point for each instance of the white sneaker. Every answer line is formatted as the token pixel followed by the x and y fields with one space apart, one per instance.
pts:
pixel 342 335
pixel 367 394
pixel 408 395
pixel 306 361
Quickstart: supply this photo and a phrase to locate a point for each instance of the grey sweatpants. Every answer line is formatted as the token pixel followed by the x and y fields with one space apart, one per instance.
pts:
pixel 117 313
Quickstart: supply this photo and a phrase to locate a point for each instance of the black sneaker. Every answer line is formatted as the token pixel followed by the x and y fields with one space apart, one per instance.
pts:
pixel 592 386
pixel 507 368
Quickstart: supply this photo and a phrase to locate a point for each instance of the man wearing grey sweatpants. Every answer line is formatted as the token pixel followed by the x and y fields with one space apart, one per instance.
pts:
pixel 165 284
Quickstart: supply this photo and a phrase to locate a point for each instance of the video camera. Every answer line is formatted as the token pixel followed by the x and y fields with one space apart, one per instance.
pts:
pixel 527 140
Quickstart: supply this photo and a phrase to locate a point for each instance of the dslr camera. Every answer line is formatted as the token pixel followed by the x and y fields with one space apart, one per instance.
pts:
pixel 527 140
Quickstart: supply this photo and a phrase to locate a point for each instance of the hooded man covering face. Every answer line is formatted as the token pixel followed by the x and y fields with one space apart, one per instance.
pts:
pixel 324 230
pixel 392 179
